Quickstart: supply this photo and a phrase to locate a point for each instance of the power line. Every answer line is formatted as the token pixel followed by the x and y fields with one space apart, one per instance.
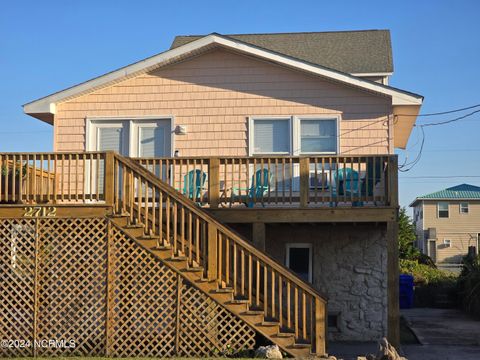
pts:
pixel 439 177
pixel 442 112
pixel 450 120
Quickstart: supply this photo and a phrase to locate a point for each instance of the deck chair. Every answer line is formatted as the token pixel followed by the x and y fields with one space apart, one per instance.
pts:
pixel 375 169
pixel 259 188
pixel 193 184
pixel 346 182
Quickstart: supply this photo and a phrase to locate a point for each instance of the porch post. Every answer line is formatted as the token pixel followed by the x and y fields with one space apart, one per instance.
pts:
pixel 109 180
pixel 214 182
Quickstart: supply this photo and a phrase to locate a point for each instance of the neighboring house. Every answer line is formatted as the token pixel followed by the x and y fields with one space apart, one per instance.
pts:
pixel 300 127
pixel 447 223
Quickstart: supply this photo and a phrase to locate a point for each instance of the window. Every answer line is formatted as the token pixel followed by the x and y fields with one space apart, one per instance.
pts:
pixel 318 136
pixel 442 209
pixel 464 208
pixel 299 260
pixel 271 136
pixel 447 243
pixel 333 321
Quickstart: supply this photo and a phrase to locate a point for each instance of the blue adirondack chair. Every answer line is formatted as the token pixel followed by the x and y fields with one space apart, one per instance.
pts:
pixel 193 184
pixel 259 188
pixel 346 182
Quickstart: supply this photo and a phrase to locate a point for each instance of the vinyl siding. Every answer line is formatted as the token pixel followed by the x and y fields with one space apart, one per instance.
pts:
pixel 214 94
pixel 461 229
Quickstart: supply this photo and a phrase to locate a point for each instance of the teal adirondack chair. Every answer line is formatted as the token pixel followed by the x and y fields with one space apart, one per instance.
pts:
pixel 260 187
pixel 193 184
pixel 346 182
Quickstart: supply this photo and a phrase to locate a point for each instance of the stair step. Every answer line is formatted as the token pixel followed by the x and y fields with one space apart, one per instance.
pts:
pixel 254 312
pixel 224 290
pixel 300 345
pixel 194 269
pixel 134 226
pixel 162 247
pixel 270 322
pixel 286 333
pixel 149 237
pixel 119 216
pixel 177 258
pixel 239 301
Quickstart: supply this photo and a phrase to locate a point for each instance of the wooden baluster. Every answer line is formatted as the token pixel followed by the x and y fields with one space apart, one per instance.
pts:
pixel 197 239
pixel 276 180
pixel 214 182
pixel 258 285
pixel 304 181
pixel 190 239
pixel 289 295
pixel 234 253
pixel 139 200
pixel 280 301
pixel 227 261
pixel 167 220
pixel 160 217
pixel 14 177
pixel 242 272
pixel 212 251
pixel 20 182
pixel 154 217
pixel 69 175
pixel 76 177
pixel 182 230
pixel 295 310
pixel 331 178
pixel 292 176
pixel 315 196
pixel 220 259
pixel 265 291
pixel 272 287
pixel 269 170
pixel 353 182
pixel 55 179
pixel 304 315
pixel 175 229
pixel 146 214
pixel 250 299
pixel 97 175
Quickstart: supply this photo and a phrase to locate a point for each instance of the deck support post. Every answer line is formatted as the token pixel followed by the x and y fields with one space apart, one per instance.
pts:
pixel 109 181
pixel 258 235
pixel 320 328
pixel 214 182
pixel 304 181
pixel 393 301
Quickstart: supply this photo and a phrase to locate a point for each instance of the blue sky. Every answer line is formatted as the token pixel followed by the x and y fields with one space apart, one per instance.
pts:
pixel 48 45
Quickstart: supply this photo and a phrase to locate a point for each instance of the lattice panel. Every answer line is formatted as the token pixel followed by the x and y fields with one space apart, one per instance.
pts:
pixel 142 302
pixel 71 283
pixel 66 279
pixel 17 271
pixel 207 328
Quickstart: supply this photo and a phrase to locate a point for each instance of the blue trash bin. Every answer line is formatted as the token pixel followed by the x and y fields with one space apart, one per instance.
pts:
pixel 406 291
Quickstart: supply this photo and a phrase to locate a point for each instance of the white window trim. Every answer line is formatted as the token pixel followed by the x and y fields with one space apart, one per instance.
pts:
pixel 309 246
pixel 297 133
pixel 438 209
pixel 460 208
pixel 251 139
pixel 447 243
pixel 90 138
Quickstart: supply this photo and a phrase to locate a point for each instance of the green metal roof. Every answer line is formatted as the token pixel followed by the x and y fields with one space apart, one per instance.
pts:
pixel 365 51
pixel 460 192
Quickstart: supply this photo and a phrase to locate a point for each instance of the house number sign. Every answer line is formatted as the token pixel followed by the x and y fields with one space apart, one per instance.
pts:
pixel 40 211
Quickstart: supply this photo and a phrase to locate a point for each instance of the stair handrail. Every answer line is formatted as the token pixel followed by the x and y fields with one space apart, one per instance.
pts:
pixel 191 205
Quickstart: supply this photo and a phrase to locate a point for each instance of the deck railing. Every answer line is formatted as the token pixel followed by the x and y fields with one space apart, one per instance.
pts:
pixel 279 181
pixel 226 258
pixel 269 181
pixel 52 177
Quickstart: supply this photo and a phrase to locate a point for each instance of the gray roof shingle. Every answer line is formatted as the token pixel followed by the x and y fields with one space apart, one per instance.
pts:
pixel 354 52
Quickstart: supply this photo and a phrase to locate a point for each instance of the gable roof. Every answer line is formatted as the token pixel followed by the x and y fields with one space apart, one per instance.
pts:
pixel 353 52
pixel 459 192
pixel 44 108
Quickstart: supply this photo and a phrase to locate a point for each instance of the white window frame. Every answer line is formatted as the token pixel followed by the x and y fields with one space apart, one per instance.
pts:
pixel 438 209
pixel 308 246
pixel 447 243
pixel 132 124
pixel 297 131
pixel 251 136
pixel 461 208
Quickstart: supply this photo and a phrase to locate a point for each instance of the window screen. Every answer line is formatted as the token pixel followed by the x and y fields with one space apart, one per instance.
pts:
pixel 271 136
pixel 318 136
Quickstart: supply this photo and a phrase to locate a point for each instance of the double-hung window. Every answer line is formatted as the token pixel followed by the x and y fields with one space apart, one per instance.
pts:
pixel 317 136
pixel 442 209
pixel 270 136
pixel 464 208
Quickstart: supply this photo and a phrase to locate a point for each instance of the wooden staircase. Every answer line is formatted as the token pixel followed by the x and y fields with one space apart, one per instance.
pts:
pixel 216 260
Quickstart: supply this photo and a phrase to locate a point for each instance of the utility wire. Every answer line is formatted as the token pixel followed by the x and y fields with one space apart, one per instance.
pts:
pixel 443 112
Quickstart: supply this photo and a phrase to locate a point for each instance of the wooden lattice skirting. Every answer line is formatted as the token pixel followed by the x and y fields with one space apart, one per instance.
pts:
pixel 82 281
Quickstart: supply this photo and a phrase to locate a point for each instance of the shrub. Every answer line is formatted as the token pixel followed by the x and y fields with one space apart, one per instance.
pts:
pixel 469 285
